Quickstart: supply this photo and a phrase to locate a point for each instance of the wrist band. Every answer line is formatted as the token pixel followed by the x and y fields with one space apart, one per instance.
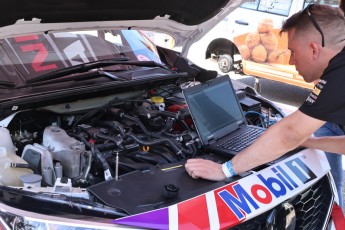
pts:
pixel 228 170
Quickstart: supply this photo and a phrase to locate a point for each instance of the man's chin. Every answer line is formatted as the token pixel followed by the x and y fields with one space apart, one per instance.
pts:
pixel 311 81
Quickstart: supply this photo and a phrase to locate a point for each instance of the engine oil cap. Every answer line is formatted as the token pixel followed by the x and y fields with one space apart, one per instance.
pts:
pixel 170 191
pixel 157 99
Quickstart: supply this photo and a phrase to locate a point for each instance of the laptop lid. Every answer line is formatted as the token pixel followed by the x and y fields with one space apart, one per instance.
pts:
pixel 214 108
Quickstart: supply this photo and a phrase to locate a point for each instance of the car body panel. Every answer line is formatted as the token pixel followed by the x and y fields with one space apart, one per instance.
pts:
pixel 93 114
pixel 236 202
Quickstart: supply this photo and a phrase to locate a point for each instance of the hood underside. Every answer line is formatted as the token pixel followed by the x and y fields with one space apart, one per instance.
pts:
pixel 191 12
pixel 184 20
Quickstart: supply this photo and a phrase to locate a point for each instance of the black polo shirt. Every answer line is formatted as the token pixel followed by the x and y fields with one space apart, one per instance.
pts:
pixel 327 100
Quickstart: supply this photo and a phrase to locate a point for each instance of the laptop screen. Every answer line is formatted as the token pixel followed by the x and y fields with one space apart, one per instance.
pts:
pixel 215 109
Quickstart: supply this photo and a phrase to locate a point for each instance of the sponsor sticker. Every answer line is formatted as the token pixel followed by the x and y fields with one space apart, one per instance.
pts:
pixel 239 201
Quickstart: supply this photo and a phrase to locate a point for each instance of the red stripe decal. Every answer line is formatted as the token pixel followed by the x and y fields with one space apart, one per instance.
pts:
pixel 226 217
pixel 193 214
pixel 338 217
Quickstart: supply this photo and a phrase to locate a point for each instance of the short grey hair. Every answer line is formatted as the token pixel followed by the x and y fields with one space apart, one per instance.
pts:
pixel 330 20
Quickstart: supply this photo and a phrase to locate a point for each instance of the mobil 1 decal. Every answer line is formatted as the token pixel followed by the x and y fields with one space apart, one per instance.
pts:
pixel 241 198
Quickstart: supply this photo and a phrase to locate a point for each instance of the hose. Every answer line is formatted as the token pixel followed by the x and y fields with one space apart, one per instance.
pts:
pixel 95 151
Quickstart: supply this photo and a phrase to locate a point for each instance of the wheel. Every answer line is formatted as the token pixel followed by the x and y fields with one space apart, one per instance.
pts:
pixel 225 63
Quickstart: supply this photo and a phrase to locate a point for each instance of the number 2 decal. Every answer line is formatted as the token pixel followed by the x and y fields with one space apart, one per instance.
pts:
pixel 41 55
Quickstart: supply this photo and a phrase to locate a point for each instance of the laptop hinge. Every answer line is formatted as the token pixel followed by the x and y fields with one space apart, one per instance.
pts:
pixel 241 123
pixel 211 141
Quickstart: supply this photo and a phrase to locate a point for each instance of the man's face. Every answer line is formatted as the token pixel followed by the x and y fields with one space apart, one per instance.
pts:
pixel 301 56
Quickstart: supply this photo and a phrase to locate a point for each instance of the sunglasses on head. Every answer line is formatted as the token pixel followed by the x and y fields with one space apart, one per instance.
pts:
pixel 312 19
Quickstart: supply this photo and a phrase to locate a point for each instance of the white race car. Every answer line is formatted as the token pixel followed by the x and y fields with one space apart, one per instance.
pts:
pixel 95 130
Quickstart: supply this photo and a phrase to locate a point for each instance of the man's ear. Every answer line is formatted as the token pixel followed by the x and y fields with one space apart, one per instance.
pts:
pixel 315 49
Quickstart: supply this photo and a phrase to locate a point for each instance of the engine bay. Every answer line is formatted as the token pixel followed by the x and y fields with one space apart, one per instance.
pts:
pixel 124 151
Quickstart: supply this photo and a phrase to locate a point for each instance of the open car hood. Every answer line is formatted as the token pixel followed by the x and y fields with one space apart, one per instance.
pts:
pixel 186 21
pixel 95 129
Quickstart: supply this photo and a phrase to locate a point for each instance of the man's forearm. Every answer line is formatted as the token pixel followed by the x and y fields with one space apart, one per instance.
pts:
pixel 269 147
pixel 327 144
pixel 279 139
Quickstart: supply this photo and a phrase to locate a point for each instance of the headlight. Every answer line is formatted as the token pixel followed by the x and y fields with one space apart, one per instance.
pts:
pixel 16 219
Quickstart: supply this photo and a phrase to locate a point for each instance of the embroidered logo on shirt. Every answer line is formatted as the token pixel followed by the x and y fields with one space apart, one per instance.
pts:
pixel 316 92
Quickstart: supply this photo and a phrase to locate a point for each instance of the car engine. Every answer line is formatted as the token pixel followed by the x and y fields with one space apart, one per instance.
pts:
pixel 112 149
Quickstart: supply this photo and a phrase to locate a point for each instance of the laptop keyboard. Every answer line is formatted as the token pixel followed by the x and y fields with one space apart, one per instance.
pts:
pixel 241 140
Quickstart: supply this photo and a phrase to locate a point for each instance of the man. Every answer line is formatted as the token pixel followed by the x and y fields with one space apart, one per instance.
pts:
pixel 335 144
pixel 335 160
pixel 316 37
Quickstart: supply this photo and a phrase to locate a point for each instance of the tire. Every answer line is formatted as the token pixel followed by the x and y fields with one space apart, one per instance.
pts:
pixel 225 63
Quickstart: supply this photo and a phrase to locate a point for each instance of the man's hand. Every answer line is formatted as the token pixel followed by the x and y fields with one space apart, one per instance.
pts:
pixel 201 168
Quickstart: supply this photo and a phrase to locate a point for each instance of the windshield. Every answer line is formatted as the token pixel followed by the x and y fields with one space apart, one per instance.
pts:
pixel 26 57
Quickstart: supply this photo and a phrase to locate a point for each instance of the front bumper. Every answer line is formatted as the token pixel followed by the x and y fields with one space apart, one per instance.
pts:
pixel 296 192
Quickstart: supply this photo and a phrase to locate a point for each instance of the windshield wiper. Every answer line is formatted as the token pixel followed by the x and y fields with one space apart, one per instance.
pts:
pixel 92 65
pixel 74 69
pixel 77 77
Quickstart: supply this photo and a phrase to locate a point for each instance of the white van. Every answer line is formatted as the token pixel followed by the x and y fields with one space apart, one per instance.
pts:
pixel 251 33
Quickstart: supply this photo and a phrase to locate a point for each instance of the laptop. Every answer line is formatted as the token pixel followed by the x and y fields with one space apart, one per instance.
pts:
pixel 218 117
